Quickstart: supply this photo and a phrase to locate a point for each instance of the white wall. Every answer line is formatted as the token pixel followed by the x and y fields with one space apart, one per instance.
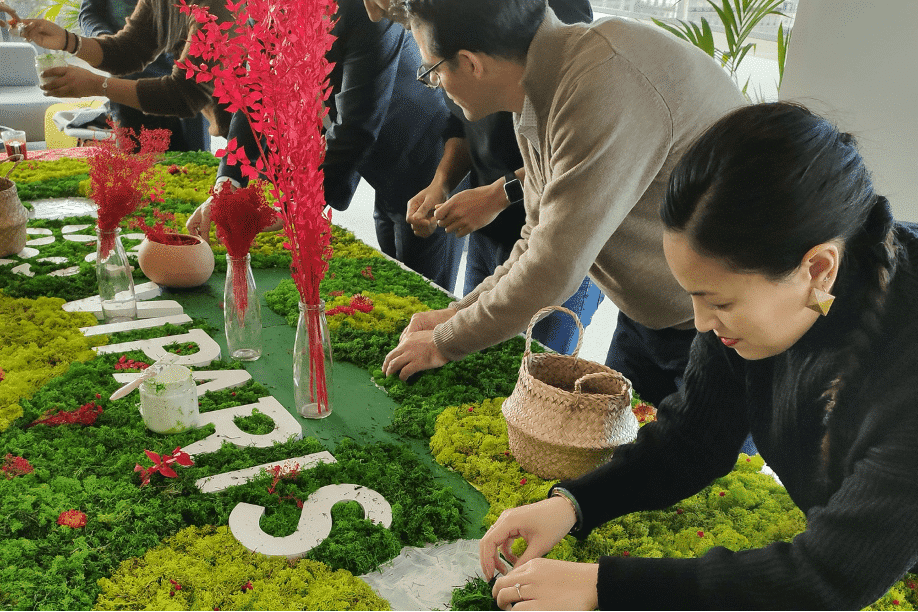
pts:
pixel 856 62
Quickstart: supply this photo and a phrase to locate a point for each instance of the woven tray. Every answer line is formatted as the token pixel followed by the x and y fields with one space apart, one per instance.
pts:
pixel 566 415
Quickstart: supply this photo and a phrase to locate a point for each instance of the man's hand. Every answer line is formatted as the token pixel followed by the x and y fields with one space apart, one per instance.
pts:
pixel 415 353
pixel 427 320
pixel 421 210
pixel 472 209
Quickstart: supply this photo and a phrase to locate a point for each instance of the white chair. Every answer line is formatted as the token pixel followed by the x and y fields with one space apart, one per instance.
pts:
pixel 22 102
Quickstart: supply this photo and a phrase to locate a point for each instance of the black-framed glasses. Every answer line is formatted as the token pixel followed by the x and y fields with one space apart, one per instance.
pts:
pixel 428 76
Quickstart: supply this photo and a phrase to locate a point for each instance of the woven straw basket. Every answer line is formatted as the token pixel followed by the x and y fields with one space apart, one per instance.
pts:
pixel 13 219
pixel 566 415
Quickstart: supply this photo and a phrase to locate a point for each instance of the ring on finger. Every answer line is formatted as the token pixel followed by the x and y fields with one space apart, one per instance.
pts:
pixel 517 587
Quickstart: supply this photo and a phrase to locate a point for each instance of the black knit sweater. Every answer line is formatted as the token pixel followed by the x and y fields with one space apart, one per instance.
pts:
pixel 861 507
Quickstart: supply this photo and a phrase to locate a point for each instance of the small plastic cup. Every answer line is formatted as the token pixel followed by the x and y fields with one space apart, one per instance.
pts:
pixel 46 61
pixel 15 143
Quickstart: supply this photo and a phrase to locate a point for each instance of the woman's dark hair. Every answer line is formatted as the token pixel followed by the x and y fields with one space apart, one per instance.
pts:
pixel 502 28
pixel 763 186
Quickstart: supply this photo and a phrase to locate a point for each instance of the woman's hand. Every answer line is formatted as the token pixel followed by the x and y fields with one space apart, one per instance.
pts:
pixel 72 82
pixel 542 524
pixel 198 224
pixel 14 17
pixel 548 584
pixel 43 33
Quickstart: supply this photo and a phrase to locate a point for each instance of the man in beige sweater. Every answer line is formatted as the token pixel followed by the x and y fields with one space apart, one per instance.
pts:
pixel 603 112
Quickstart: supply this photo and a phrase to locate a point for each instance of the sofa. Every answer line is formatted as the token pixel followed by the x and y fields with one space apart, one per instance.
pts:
pixel 22 102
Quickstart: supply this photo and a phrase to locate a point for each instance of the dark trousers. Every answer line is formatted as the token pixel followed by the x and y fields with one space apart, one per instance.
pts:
pixel 436 257
pixel 557 331
pixel 189 134
pixel 653 360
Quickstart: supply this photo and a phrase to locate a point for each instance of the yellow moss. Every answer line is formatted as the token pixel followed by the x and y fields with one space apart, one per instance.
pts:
pixel 38 341
pixel 214 571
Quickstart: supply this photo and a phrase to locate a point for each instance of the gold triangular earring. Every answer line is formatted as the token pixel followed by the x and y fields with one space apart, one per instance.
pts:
pixel 820 301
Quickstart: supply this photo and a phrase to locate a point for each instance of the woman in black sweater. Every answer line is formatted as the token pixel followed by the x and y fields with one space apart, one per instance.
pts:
pixel 768 213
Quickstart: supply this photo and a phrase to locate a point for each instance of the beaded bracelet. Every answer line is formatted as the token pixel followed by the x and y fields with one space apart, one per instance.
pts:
pixel 66 40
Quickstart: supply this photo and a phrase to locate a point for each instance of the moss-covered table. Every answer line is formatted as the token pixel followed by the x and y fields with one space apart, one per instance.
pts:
pixel 79 530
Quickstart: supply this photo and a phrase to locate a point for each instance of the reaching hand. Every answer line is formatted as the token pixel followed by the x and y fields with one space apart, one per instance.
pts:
pixel 471 209
pixel 542 524
pixel 43 33
pixel 421 210
pixel 548 584
pixel 415 353
pixel 198 224
pixel 427 320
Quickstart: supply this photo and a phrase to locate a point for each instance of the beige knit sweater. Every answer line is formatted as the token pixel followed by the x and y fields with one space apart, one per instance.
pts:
pixel 616 103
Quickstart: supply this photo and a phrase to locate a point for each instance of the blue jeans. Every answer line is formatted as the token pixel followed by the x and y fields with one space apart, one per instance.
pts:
pixel 436 257
pixel 653 360
pixel 557 331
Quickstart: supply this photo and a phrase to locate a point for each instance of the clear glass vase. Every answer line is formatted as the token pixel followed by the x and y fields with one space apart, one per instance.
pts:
pixel 116 282
pixel 312 363
pixel 242 317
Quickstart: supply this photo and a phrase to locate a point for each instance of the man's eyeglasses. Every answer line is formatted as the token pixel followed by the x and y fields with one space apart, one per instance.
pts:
pixel 428 76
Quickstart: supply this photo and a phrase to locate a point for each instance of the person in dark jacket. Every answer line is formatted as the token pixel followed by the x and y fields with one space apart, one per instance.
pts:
pixel 385 127
pixel 804 290
pixel 102 17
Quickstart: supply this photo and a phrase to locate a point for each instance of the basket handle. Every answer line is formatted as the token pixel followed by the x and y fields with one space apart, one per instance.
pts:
pixel 594 376
pixel 16 159
pixel 544 313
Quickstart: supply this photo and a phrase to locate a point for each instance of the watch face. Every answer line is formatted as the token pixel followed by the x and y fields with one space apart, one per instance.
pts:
pixel 514 190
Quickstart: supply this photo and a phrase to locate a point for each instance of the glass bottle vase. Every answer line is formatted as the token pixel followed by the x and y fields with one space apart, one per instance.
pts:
pixel 312 363
pixel 116 281
pixel 242 317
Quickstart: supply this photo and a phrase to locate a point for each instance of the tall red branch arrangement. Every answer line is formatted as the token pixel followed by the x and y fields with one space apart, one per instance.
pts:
pixel 121 176
pixel 270 64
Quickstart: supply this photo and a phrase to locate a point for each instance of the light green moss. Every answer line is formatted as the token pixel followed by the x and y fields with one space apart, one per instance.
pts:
pixel 215 572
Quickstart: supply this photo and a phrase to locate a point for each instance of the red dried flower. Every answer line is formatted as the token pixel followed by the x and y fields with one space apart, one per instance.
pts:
pixel 626 554
pixel 2 374
pixel 700 534
pixel 247 586
pixel 121 173
pixel 645 413
pixel 523 481
pixel 15 466
pixel 84 415
pixel 679 510
pixel 162 464
pixel 722 493
pixel 72 518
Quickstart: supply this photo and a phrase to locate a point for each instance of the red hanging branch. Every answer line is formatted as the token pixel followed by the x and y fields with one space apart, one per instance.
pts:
pixel 121 175
pixel 239 215
pixel 274 70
